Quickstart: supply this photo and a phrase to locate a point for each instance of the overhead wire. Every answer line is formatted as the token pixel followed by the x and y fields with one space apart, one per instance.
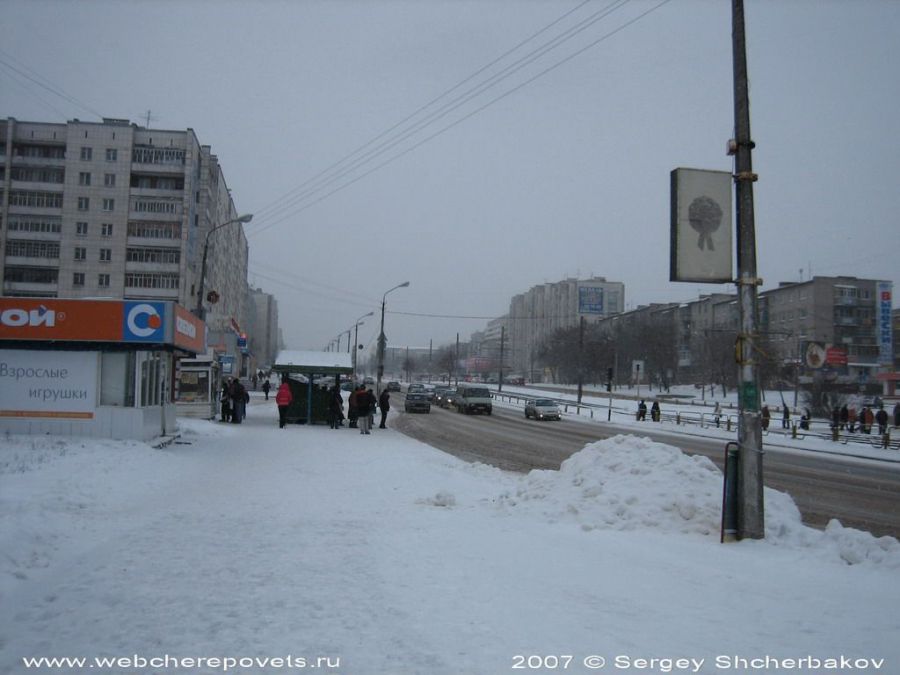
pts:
pixel 464 118
pixel 276 204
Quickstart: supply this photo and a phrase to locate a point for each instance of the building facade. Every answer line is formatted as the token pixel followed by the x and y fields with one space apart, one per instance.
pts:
pixel 114 210
pixel 539 312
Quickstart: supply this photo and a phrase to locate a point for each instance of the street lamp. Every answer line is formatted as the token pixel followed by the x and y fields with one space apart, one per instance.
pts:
pixel 382 340
pixel 246 218
pixel 359 322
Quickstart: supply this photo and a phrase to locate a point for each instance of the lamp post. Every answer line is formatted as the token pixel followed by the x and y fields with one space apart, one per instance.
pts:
pixel 246 218
pixel 382 340
pixel 359 322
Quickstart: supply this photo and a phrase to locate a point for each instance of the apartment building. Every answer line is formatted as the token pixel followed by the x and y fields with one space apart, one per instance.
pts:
pixel 542 310
pixel 115 210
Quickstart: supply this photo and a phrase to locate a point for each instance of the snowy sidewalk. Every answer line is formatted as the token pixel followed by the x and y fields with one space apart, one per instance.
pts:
pixel 387 556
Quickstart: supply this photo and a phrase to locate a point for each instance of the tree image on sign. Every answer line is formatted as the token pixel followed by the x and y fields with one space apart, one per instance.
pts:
pixel 705 216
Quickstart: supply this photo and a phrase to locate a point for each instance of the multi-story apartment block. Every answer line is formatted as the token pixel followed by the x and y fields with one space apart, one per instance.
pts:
pixel 264 333
pixel 112 209
pixel 536 314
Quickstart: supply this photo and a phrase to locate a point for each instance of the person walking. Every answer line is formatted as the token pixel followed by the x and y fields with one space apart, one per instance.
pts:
pixel 765 417
pixel 384 404
pixel 868 419
pixel 642 411
pixel 897 415
pixel 845 417
pixel 266 387
pixel 717 413
pixel 655 413
pixel 283 398
pixel 785 416
pixel 851 419
pixel 363 410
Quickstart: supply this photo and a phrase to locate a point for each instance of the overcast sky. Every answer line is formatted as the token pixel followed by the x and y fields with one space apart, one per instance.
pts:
pixel 502 183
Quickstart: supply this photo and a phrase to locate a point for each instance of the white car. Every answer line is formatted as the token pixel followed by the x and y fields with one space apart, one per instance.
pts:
pixel 542 409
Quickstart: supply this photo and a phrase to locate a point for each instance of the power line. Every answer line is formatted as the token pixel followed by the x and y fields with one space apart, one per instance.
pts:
pixel 46 84
pixel 465 117
pixel 452 105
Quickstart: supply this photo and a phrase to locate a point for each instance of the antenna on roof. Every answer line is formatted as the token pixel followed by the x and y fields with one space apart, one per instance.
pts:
pixel 149 118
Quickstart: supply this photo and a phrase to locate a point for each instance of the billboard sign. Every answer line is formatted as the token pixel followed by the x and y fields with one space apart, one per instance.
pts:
pixel 701 239
pixel 883 303
pixel 48 384
pixel 144 322
pixel 590 300
pixel 190 332
pixel 53 319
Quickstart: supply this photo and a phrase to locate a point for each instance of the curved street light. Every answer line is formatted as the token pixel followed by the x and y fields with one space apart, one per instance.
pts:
pixel 382 339
pixel 199 310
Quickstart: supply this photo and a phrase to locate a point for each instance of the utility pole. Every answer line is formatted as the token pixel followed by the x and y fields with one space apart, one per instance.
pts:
pixel 502 341
pixel 456 362
pixel 750 511
pixel 580 358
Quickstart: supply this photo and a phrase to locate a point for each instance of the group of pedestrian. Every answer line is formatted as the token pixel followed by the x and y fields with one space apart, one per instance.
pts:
pixel 846 417
pixel 233 399
pixel 361 408
pixel 655 413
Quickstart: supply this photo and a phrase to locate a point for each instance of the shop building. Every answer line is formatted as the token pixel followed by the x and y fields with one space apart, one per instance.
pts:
pixel 102 368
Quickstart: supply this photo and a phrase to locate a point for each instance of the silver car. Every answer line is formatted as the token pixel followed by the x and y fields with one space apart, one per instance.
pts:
pixel 542 409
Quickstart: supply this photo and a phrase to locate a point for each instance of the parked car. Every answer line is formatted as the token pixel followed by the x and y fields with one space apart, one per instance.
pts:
pixel 470 400
pixel 417 402
pixel 393 386
pixel 542 409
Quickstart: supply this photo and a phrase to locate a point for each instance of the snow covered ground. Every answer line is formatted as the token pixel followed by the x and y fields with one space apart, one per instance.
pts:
pixel 248 548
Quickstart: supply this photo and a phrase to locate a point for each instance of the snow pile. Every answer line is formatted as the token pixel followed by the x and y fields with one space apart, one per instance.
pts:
pixel 632 483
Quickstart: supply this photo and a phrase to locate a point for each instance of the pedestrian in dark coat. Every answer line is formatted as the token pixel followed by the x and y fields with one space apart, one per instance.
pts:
pixel 335 408
pixel 266 387
pixel 845 416
pixel 835 417
pixel 882 418
pixel 765 416
pixel 785 417
pixel 897 415
pixel 239 398
pixel 642 411
pixel 283 398
pixel 655 412
pixel 225 402
pixel 384 403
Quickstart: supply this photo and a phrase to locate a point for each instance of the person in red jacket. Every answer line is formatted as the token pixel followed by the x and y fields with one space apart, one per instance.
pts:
pixel 283 399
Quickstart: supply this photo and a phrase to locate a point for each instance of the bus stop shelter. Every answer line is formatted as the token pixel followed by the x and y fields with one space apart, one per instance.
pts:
pixel 310 376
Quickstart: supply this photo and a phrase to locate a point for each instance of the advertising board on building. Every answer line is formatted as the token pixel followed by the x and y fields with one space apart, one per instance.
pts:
pixel 590 300
pixel 49 384
pixel 701 232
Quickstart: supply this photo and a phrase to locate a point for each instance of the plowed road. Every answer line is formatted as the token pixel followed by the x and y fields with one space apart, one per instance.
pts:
pixel 861 494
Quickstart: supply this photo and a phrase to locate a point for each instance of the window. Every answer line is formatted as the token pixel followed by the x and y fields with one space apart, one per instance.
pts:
pixel 153 255
pixel 106 229
pixel 80 253
pixel 103 281
pixel 109 204
pixel 32 249
pixel 109 179
pixel 87 154
pixel 84 177
pixel 155 230
pixel 105 254
pixel 84 204
pixel 35 224
pixel 38 174
pixel 158 206
pixel 43 200
pixel 78 279
pixel 81 228
pixel 151 280
pixel 117 378
pixel 31 275
pixel 151 155
pixel 111 154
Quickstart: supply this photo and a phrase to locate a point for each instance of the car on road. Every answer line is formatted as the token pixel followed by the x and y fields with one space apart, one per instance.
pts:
pixel 439 390
pixel 415 388
pixel 447 397
pixel 470 400
pixel 393 386
pixel 542 409
pixel 417 402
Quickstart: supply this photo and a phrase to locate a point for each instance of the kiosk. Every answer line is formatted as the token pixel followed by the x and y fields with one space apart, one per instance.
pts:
pixel 100 368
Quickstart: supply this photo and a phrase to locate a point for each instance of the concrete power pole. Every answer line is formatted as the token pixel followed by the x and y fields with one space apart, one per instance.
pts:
pixel 750 510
